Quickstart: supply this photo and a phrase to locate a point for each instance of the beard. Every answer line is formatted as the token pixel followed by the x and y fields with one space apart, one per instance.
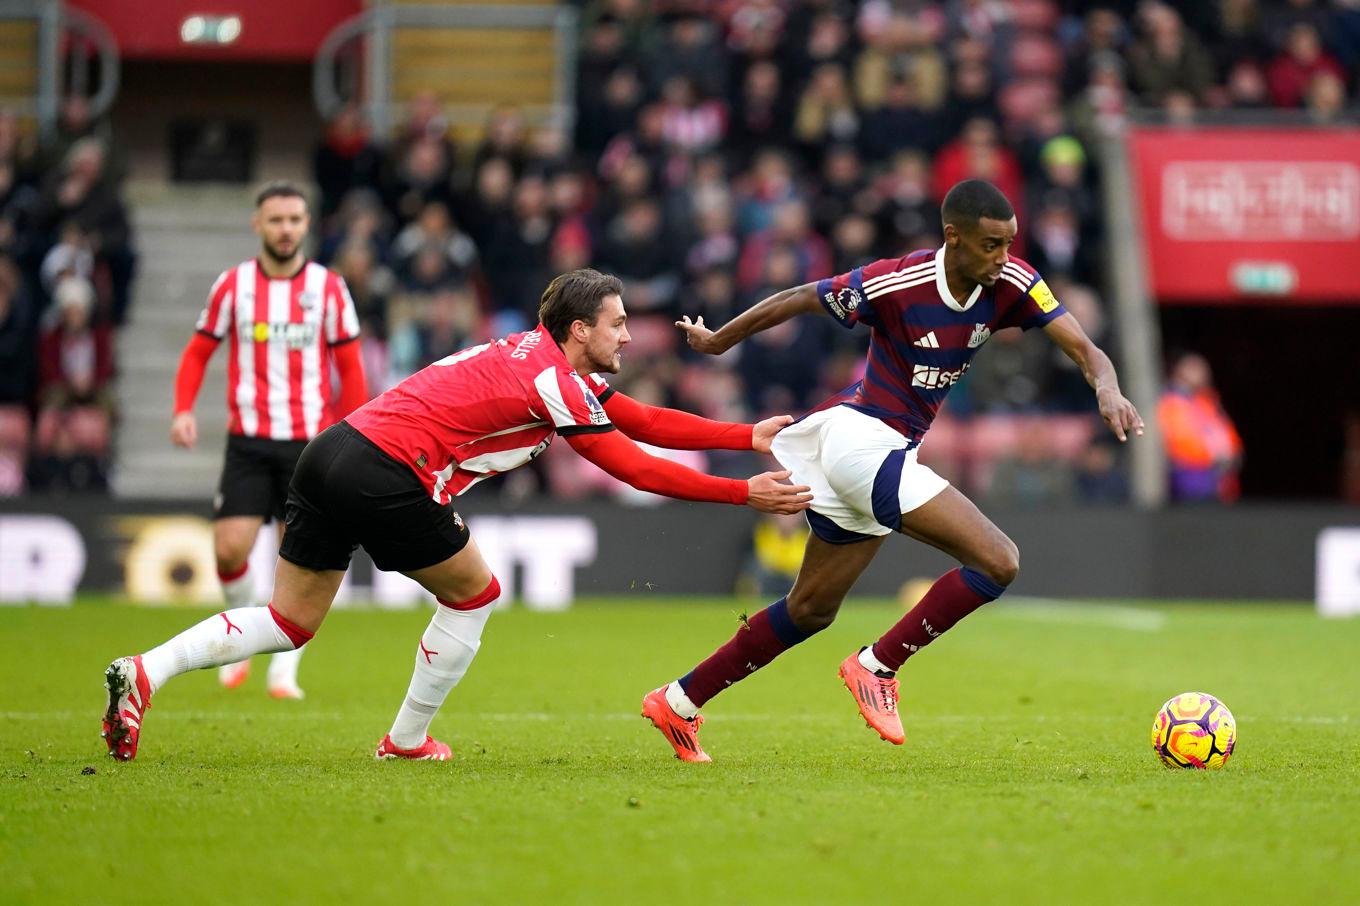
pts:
pixel 278 257
pixel 607 365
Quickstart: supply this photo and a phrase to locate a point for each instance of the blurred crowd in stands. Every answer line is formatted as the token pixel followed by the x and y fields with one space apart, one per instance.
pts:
pixel 721 150
pixel 726 149
pixel 67 261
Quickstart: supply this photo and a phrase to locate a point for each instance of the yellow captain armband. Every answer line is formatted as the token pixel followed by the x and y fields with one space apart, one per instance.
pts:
pixel 1043 297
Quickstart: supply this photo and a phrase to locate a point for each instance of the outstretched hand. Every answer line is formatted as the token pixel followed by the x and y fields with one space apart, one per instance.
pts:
pixel 699 337
pixel 1119 414
pixel 769 495
pixel 763 433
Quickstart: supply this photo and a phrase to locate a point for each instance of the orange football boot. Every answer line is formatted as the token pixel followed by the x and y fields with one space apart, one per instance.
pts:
pixel 682 733
pixel 233 675
pixel 876 697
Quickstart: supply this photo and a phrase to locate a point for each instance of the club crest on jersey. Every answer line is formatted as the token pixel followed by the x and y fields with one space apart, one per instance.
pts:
pixel 980 334
pixel 308 300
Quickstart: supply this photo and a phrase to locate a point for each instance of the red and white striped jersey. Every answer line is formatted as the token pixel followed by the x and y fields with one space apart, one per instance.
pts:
pixel 483 411
pixel 281 330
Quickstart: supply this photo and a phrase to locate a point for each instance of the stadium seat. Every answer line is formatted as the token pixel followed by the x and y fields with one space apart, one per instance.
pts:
pixel 991 438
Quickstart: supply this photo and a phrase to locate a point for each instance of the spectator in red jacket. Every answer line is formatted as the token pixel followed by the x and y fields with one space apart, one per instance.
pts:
pixel 1291 72
pixel 75 393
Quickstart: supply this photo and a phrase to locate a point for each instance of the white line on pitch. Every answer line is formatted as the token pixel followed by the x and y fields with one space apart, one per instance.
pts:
pixel 544 716
pixel 1078 613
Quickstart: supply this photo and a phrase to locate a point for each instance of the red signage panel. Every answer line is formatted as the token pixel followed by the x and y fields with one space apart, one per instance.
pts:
pixel 256 30
pixel 1233 215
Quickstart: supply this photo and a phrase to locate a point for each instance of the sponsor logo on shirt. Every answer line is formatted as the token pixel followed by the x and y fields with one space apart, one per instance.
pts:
pixel 1043 297
pixel 291 334
pixel 932 378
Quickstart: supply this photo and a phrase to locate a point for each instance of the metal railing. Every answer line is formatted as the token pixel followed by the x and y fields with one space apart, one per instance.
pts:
pixel 375 26
pixel 54 20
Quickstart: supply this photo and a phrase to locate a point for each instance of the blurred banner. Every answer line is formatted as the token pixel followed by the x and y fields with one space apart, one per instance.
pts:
pixel 1249 215
pixel 550 553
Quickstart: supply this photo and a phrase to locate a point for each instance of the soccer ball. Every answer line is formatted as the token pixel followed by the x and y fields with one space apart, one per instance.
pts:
pixel 1194 730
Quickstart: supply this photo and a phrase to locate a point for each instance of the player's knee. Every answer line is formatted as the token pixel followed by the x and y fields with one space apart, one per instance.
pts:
pixel 1003 562
pixel 487 595
pixel 229 555
pixel 812 613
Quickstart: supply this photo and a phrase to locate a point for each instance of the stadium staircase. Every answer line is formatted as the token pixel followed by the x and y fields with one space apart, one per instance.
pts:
pixel 187 236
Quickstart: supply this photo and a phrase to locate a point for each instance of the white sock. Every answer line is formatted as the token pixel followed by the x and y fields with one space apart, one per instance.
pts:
pixel 239 592
pixel 679 701
pixel 869 662
pixel 446 650
pixel 283 669
pixel 223 638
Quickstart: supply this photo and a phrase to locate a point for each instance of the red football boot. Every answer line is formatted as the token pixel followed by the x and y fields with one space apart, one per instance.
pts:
pixel 876 697
pixel 682 733
pixel 129 697
pixel 430 750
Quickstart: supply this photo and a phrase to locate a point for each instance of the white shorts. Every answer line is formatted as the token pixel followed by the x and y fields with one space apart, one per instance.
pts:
pixel 863 474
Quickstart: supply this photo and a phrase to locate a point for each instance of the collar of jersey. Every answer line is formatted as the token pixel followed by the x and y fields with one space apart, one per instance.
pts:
pixel 942 286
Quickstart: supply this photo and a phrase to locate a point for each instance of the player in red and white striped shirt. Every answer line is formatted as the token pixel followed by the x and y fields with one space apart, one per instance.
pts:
pixel 383 478
pixel 286 320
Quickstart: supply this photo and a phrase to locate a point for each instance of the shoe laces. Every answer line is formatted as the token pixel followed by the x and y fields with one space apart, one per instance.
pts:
pixel 887 692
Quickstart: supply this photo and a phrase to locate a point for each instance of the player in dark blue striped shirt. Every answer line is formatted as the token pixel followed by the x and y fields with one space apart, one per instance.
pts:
pixel 929 313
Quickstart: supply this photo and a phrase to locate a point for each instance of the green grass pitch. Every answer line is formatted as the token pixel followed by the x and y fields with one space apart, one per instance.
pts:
pixel 1027 776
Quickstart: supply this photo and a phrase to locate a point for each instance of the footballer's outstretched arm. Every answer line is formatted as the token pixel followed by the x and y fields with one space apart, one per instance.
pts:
pixel 677 430
pixel 1119 414
pixel 772 310
pixel 620 457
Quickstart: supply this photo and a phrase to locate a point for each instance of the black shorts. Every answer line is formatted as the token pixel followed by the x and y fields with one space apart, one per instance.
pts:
pixel 347 492
pixel 255 476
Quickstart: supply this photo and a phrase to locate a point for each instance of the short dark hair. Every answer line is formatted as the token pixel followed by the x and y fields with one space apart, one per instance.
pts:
pixel 575 296
pixel 971 200
pixel 279 188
